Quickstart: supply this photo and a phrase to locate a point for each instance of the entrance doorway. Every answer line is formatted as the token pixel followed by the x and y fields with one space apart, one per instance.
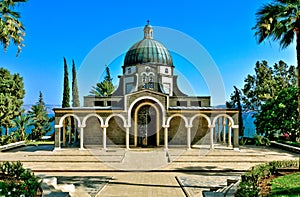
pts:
pixel 147 120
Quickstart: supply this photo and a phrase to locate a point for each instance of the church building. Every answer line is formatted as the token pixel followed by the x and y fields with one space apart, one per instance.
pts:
pixel 148 109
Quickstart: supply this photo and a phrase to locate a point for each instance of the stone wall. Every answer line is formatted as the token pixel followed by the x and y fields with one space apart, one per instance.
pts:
pixel 93 132
pixel 177 132
pixel 116 133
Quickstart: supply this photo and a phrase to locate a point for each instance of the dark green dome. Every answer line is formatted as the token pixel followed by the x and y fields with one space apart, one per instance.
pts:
pixel 148 50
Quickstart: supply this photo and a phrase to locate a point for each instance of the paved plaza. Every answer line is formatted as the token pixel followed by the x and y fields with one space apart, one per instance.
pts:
pixel 140 172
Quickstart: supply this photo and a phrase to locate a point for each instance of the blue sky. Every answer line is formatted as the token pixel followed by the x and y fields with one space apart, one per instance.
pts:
pixel 71 29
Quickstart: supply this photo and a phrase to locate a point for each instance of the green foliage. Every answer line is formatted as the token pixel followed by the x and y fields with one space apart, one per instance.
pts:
pixel 279 115
pixel 11 97
pixel 104 88
pixel 11 26
pixel 266 83
pixel 7 139
pixel 75 94
pixel 66 88
pixel 41 120
pixel 17 181
pixel 236 103
pixel 250 181
pixel 284 186
pixel 21 123
pixel 277 20
pixel 261 140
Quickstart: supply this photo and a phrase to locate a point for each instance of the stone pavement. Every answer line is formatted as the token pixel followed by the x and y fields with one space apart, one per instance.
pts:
pixel 141 172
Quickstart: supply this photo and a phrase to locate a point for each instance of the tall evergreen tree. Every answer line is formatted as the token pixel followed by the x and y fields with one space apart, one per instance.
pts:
pixel 104 88
pixel 12 93
pixel 75 94
pixel 66 88
pixel 11 26
pixel 41 120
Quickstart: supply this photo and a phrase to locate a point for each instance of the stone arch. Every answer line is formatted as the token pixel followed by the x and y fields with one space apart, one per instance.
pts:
pixel 177 115
pixel 68 115
pixel 115 130
pixel 158 119
pixel 199 124
pixel 201 115
pixel 91 115
pixel 112 115
pixel 145 98
pixel 226 116
pixel 177 130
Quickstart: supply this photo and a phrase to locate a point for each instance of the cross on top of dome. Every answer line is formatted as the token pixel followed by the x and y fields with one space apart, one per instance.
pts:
pixel 148 31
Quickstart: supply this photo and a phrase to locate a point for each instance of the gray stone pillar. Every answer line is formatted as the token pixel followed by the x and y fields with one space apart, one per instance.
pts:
pixel 127 138
pixel 57 142
pixel 224 130
pixel 236 137
pixel 212 137
pixel 229 136
pixel 104 138
pixel 81 138
pixel 188 137
pixel 166 138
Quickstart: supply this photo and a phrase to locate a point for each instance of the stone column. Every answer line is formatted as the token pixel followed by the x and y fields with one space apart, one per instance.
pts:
pixel 188 137
pixel 235 137
pixel 81 138
pixel 224 130
pixel 229 136
pixel 212 137
pixel 70 136
pixel 127 138
pixel 104 137
pixel 57 145
pixel 166 138
pixel 64 134
pixel 219 129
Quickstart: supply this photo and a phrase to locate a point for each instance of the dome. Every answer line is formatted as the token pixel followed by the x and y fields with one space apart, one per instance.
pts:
pixel 148 50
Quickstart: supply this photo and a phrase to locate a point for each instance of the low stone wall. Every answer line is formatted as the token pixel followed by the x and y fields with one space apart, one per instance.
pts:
pixel 12 145
pixel 286 147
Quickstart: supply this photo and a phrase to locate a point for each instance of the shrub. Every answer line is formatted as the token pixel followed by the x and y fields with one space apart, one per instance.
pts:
pixel 17 181
pixel 249 185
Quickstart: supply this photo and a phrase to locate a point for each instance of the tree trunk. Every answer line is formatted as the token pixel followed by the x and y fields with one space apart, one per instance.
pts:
pixel 298 72
pixel 6 130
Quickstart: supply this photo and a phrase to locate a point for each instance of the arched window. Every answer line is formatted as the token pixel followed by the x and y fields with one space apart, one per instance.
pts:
pixel 151 78
pixel 166 70
pixel 144 78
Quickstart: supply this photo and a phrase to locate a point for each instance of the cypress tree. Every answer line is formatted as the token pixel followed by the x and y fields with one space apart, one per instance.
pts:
pixel 66 90
pixel 75 94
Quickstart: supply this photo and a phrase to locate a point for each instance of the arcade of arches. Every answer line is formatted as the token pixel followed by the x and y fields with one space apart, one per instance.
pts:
pixel 147 109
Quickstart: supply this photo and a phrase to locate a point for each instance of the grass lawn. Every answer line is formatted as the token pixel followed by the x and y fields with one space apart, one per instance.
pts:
pixel 36 143
pixel 288 185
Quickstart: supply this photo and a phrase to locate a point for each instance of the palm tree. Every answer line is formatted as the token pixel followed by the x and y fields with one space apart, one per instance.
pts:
pixel 280 21
pixel 105 88
pixel 11 26
pixel 22 122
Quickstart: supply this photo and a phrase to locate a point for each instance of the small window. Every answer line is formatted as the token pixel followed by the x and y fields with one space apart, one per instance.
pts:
pixel 166 70
pixel 151 86
pixel 196 103
pixel 108 103
pixel 144 78
pixel 144 85
pixel 99 103
pixel 182 103
pixel 151 78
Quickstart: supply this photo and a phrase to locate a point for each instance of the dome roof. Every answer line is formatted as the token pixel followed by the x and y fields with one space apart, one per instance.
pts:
pixel 148 50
